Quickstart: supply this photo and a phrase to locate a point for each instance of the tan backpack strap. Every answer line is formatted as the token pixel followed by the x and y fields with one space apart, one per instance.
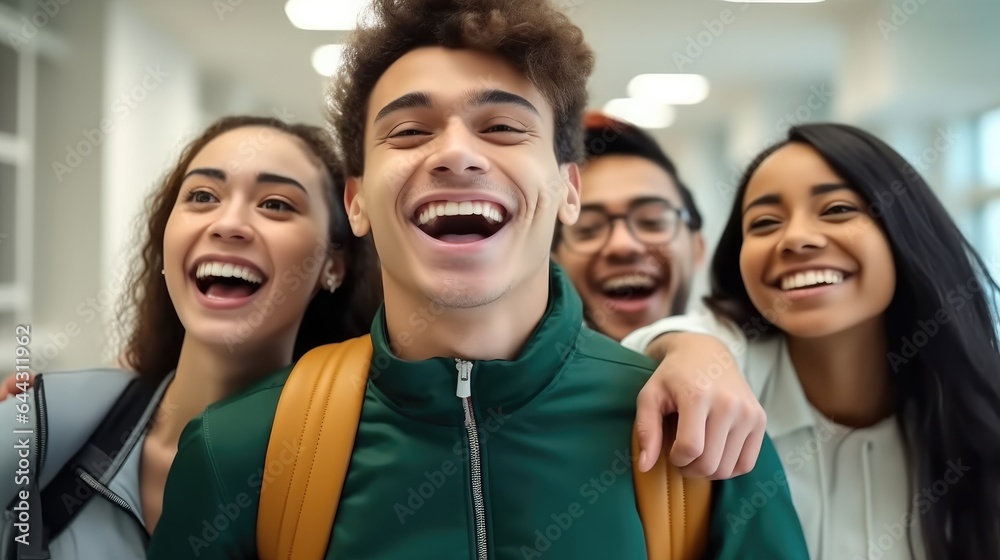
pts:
pixel 318 413
pixel 674 510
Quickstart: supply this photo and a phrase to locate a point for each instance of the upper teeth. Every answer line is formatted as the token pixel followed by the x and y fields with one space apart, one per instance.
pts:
pixel 488 210
pixel 810 278
pixel 629 281
pixel 227 270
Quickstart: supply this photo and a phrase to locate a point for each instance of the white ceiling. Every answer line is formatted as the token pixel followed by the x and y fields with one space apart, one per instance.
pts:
pixel 765 48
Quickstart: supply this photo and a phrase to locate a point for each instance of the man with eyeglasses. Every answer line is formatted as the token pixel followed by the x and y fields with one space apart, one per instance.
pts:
pixel 637 244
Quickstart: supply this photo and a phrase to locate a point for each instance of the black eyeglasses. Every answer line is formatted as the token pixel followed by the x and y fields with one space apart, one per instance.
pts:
pixel 650 221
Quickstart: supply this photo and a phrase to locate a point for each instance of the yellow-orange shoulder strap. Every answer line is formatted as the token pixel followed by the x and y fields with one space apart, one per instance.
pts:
pixel 318 413
pixel 674 510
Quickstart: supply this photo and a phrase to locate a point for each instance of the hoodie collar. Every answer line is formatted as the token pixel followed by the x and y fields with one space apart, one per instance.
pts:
pixel 783 396
pixel 426 389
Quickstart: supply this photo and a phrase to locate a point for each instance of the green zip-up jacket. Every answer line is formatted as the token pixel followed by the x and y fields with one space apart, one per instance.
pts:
pixel 544 471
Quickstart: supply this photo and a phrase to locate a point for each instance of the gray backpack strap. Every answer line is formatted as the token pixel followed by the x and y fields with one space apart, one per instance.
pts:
pixel 75 404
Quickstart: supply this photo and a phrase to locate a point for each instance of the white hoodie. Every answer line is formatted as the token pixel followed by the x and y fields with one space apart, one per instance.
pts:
pixel 850 486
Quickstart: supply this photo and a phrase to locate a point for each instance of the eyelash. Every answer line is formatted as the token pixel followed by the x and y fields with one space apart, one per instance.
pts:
pixel 506 126
pixel 285 206
pixel 765 222
pixel 191 197
pixel 845 207
pixel 416 132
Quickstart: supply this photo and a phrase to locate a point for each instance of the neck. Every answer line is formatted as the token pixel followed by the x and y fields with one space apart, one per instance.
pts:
pixel 419 328
pixel 846 375
pixel 206 374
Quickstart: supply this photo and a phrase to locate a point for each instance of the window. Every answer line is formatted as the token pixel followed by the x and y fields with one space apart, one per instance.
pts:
pixel 989 149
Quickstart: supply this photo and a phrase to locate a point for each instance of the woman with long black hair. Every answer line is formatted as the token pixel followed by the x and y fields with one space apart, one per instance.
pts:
pixel 866 324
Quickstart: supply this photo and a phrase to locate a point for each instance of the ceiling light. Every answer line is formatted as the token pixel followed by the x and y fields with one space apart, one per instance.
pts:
pixel 774 1
pixel 326 59
pixel 641 113
pixel 336 15
pixel 669 89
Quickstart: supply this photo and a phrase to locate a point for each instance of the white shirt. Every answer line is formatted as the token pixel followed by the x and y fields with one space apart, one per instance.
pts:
pixel 849 485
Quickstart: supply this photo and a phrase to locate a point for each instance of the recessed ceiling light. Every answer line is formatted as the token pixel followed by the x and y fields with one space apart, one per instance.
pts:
pixel 641 113
pixel 335 15
pixel 669 89
pixel 774 1
pixel 326 59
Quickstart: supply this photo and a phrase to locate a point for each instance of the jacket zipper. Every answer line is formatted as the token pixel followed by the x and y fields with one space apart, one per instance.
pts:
pixel 464 392
pixel 103 490
pixel 43 425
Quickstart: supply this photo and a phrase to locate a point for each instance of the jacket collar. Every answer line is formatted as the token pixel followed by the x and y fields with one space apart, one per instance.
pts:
pixel 777 386
pixel 426 389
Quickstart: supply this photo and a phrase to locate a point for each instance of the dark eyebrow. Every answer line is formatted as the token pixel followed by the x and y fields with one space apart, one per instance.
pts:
pixel 272 178
pixel 763 200
pixel 828 187
pixel 413 100
pixel 261 177
pixel 207 172
pixel 816 190
pixel 498 97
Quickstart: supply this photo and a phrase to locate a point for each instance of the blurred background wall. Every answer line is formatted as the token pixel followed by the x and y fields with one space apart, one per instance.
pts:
pixel 97 97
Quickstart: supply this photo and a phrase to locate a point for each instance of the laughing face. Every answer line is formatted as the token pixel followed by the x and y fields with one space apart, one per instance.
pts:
pixel 625 283
pixel 812 256
pixel 461 187
pixel 245 247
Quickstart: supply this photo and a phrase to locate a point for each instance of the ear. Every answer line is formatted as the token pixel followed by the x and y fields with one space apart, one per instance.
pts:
pixel 332 272
pixel 354 203
pixel 698 241
pixel 569 209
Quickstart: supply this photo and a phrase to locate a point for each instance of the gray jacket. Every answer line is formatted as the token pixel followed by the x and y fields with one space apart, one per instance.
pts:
pixel 110 524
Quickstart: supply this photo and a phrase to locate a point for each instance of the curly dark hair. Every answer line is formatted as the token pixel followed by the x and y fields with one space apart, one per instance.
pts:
pixel 531 35
pixel 148 323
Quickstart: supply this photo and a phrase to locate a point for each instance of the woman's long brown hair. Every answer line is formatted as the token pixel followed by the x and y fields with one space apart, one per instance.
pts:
pixel 152 330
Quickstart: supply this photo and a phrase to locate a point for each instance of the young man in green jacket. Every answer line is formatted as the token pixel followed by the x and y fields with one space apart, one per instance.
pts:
pixel 494 425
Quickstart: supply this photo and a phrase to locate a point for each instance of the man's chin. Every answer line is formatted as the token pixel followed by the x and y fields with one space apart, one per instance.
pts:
pixel 458 295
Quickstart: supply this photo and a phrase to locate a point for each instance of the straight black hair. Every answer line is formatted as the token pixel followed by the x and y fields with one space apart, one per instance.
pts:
pixel 947 390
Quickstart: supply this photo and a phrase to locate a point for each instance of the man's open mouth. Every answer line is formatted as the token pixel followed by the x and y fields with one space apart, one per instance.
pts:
pixel 460 222
pixel 634 286
pixel 218 280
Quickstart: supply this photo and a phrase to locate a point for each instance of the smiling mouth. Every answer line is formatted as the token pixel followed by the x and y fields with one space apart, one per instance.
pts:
pixel 811 279
pixel 461 222
pixel 630 286
pixel 219 280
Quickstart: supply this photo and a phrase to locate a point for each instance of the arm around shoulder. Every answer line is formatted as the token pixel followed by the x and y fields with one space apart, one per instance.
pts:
pixel 703 322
